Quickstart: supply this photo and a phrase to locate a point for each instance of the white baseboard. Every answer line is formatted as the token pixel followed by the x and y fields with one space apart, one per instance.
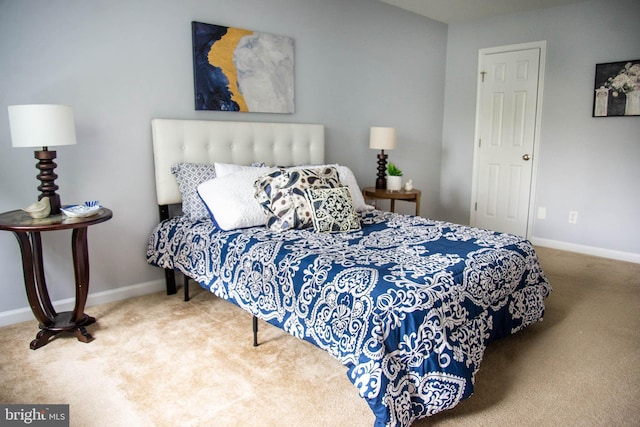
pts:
pixel 587 250
pixel 25 314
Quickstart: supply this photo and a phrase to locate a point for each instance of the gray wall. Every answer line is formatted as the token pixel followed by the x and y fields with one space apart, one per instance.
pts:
pixel 586 164
pixel 359 63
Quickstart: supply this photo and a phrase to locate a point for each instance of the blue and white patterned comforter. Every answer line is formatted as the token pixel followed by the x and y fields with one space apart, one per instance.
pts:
pixel 407 304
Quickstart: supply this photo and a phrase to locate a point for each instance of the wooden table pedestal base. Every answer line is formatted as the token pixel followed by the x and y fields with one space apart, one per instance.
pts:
pixel 63 323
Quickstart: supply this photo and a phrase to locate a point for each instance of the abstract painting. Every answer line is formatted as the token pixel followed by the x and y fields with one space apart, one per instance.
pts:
pixel 242 70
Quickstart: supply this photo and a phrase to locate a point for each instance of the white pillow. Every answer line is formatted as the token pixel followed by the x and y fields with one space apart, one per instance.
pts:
pixel 348 178
pixel 231 202
pixel 223 169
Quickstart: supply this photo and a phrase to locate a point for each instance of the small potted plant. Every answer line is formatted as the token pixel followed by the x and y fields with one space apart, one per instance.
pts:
pixel 394 178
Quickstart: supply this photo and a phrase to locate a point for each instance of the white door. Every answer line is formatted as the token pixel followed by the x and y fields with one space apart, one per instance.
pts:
pixel 507 129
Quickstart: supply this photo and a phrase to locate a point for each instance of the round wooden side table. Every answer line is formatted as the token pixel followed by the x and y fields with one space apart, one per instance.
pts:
pixel 407 196
pixel 27 230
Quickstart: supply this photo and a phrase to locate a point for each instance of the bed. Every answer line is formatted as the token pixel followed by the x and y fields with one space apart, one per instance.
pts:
pixel 406 304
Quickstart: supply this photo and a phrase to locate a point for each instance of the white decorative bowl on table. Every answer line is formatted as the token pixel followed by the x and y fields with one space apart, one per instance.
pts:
pixel 81 211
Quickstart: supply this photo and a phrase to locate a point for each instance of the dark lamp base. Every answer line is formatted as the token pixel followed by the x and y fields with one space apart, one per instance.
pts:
pixel 381 181
pixel 47 177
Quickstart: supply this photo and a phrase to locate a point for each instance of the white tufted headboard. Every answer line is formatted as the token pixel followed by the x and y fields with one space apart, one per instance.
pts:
pixel 204 141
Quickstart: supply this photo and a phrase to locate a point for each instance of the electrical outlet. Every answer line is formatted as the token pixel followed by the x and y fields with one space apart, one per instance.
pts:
pixel 573 217
pixel 542 212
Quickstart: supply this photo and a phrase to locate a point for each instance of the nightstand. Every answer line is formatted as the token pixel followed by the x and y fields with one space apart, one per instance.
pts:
pixel 407 196
pixel 27 230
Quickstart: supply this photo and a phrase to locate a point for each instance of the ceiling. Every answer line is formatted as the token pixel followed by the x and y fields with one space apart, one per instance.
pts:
pixel 457 11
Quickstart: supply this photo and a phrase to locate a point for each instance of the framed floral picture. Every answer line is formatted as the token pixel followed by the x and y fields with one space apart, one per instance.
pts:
pixel 617 89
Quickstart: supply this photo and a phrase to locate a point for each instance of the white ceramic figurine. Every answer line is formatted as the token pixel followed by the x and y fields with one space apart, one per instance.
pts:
pixel 40 209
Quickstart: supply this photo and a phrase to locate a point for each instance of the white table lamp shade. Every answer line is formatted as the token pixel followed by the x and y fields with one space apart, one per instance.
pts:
pixel 382 138
pixel 41 125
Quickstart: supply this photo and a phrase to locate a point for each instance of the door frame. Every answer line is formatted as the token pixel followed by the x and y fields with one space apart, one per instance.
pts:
pixel 542 45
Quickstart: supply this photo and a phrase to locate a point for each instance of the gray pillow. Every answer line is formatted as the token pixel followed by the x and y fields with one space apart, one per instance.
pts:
pixel 189 176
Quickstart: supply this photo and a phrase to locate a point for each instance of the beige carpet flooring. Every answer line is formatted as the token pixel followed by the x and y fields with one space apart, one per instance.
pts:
pixel 158 361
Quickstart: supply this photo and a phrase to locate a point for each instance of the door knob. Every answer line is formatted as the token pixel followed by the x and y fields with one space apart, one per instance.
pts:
pixel 526 157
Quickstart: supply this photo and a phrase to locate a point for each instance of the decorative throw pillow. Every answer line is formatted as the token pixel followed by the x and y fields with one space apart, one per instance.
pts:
pixel 348 179
pixel 282 194
pixel 230 201
pixel 188 177
pixel 332 210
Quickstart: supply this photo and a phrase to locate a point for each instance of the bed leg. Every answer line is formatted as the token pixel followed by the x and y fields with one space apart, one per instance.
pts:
pixel 255 331
pixel 186 288
pixel 170 280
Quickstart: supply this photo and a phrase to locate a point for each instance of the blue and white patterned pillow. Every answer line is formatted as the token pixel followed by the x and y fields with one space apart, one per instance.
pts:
pixel 188 177
pixel 332 210
pixel 282 194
